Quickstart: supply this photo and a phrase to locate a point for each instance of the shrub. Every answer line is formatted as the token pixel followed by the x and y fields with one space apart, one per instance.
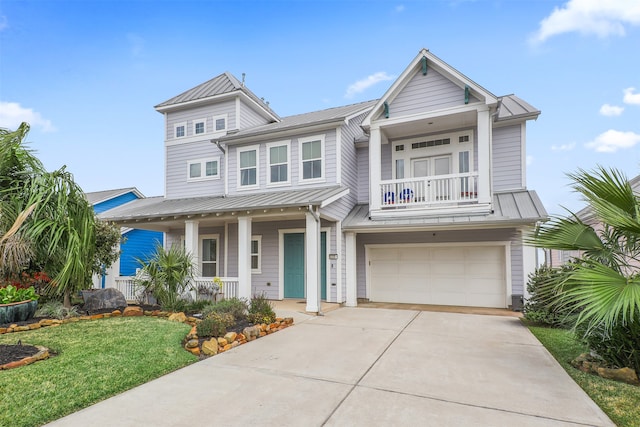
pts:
pixel 234 306
pixel 57 310
pixel 619 347
pixel 545 288
pixel 261 310
pixel 215 325
pixel 196 306
pixel 10 294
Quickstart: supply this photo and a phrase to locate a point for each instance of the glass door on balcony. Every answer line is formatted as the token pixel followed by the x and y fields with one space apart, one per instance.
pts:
pixel 433 166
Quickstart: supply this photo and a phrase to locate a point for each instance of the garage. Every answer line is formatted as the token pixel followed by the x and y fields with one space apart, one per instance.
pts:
pixel 438 274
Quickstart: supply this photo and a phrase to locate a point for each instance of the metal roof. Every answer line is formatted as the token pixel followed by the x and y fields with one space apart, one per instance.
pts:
pixel 95 197
pixel 512 107
pixel 515 207
pixel 158 207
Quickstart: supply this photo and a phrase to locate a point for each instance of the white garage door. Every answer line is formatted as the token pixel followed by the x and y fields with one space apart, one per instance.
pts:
pixel 448 275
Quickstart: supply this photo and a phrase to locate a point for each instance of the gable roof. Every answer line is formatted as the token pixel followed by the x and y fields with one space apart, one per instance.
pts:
pixel 96 197
pixel 433 62
pixel 221 85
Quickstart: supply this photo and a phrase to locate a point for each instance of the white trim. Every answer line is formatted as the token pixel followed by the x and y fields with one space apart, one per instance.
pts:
pixel 523 155
pixel 218 117
pixel 497 243
pixel 240 150
pixel 193 127
pixel 203 169
pixel 215 237
pixel 326 202
pixel 339 262
pixel 175 130
pixel 226 248
pixel 351 285
pixel 339 155
pixel 238 107
pixel 259 254
pixel 301 141
pixel 286 143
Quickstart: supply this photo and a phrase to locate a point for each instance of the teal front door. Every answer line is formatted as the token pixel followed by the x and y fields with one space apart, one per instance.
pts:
pixel 294 265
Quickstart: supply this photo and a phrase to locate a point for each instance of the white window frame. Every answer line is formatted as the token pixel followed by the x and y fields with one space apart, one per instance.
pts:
pixel 240 150
pixel 175 130
pixel 279 144
pixel 201 261
pixel 259 254
pixel 195 122
pixel 302 141
pixel 203 169
pixel 226 123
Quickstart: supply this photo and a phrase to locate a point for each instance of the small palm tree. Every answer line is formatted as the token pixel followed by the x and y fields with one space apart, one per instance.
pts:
pixel 15 251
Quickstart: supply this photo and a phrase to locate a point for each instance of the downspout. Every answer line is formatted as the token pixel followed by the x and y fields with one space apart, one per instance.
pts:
pixel 315 216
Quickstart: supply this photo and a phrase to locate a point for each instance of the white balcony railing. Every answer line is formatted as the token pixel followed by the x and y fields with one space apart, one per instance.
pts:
pixel 200 286
pixel 430 190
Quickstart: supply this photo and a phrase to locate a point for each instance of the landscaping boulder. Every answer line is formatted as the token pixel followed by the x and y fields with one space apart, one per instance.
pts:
pixel 101 299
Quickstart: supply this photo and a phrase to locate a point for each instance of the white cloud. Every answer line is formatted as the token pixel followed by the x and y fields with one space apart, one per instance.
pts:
pixel 564 147
pixel 600 17
pixel 611 110
pixel 529 160
pixel 12 114
pixel 366 83
pixel 613 140
pixel 400 8
pixel 630 97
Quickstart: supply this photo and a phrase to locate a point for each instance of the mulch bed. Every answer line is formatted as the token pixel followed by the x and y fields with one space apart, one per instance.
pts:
pixel 13 353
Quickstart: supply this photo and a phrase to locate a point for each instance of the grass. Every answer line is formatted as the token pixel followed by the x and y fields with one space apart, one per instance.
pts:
pixel 621 402
pixel 95 360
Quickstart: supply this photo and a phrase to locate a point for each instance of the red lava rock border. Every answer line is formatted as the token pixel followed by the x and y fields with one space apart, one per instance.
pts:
pixel 191 343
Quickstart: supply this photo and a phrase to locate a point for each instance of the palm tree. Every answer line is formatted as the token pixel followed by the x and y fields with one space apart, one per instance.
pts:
pixel 604 286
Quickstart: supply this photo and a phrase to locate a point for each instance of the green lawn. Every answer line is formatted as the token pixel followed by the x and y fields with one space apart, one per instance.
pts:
pixel 95 360
pixel 620 401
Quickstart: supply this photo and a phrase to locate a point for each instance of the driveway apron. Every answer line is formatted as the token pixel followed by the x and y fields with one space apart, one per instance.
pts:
pixel 365 367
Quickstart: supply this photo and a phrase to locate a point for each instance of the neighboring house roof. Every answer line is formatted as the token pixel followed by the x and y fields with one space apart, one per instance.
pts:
pixel 220 85
pixel 514 207
pixel 512 107
pixel 96 197
pixel 159 207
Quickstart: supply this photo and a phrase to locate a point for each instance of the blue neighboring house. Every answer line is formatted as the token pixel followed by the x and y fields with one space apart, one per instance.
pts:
pixel 138 243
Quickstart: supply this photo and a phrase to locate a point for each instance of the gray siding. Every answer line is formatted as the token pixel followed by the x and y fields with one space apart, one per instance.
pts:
pixel 329 158
pixel 386 162
pixel 208 111
pixel 453 236
pixel 249 117
pixel 363 174
pixel 507 158
pixel 178 156
pixel 427 93
pixel 517 265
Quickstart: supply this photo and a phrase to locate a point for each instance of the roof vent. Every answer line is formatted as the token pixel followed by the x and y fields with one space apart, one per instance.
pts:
pixel 243 76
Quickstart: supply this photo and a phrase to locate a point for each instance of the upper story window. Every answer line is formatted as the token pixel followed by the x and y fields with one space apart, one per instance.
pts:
pixel 220 123
pixel 278 160
pixel 180 130
pixel 248 167
pixel 201 169
pixel 312 158
pixel 199 126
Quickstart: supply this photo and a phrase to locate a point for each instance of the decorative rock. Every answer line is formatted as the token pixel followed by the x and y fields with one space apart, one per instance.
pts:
pixel 132 312
pixel 192 319
pixel 107 315
pixel 109 298
pixel 97 316
pixel 288 320
pixel 222 342
pixel 251 332
pixel 230 337
pixel 227 347
pixel 195 351
pixel 21 329
pixel 210 347
pixel 116 313
pixel 193 334
pixel 626 375
pixel 262 333
pixel 192 343
pixel 3 330
pixel 35 326
pixel 178 317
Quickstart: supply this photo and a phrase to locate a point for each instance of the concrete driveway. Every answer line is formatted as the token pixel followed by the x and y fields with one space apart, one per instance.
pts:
pixel 365 367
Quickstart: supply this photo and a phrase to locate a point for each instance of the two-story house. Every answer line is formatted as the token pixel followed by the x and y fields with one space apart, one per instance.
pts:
pixel 417 197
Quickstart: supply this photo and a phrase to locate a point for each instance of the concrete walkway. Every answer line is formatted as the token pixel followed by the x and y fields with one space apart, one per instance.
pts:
pixel 365 367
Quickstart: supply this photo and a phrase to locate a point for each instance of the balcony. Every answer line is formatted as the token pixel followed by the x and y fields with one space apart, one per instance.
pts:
pixel 429 191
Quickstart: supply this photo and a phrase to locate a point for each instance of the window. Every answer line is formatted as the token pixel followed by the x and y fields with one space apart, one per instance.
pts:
pixel 209 255
pixel 219 123
pixel 180 130
pixel 278 160
pixel 201 169
pixel 400 169
pixel 199 127
pixel 256 252
pixel 248 166
pixel 312 151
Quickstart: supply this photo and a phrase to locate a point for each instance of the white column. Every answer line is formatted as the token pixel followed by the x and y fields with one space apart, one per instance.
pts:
pixel 191 243
pixel 339 262
pixel 375 155
pixel 352 282
pixel 484 156
pixel 529 260
pixel 312 262
pixel 244 257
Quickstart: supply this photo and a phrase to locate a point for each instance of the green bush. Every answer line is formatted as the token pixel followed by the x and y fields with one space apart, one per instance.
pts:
pixel 545 288
pixel 618 348
pixel 57 310
pixel 10 294
pixel 261 310
pixel 196 306
pixel 215 325
pixel 234 306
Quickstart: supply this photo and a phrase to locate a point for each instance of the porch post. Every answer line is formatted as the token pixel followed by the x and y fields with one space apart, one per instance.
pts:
pixel 375 155
pixel 352 282
pixel 244 257
pixel 312 262
pixel 191 243
pixel 529 259
pixel 484 156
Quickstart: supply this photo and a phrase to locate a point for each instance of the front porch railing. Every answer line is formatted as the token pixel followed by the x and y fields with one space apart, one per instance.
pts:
pixel 430 190
pixel 200 286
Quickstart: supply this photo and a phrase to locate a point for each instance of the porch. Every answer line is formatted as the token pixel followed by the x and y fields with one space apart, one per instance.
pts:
pixel 421 192
pixel 199 288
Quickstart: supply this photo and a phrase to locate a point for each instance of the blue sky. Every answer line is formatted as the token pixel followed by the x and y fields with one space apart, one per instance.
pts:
pixel 86 74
